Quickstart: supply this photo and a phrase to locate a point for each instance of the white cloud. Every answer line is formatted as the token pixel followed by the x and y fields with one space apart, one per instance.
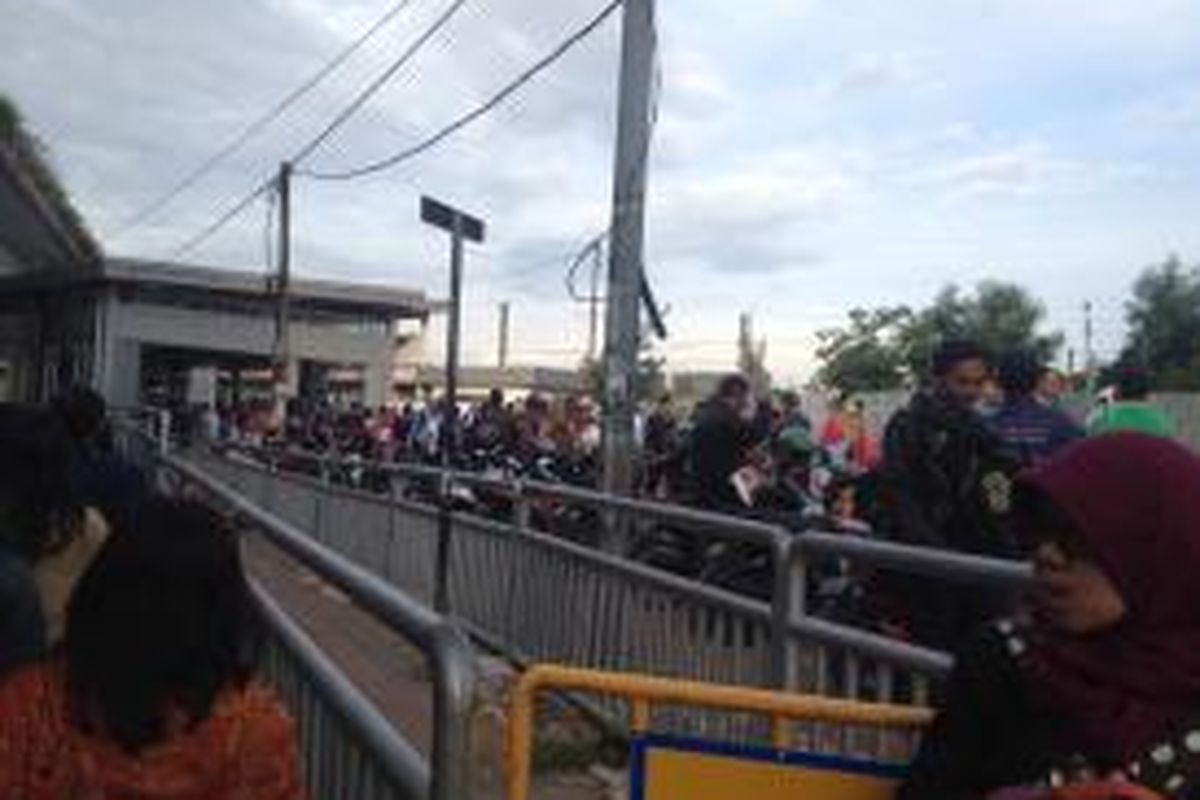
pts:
pixel 1018 169
pixel 796 139
pixel 1129 23
pixel 693 82
pixel 696 108
pixel 1172 112
pixel 875 71
pixel 756 215
pixel 754 196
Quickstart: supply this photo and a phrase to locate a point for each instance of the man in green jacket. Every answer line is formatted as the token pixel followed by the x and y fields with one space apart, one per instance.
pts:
pixel 1132 410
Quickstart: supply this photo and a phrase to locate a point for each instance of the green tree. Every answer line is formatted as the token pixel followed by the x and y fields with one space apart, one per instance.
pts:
pixel 880 348
pixel 864 356
pixel 1164 324
pixel 1000 316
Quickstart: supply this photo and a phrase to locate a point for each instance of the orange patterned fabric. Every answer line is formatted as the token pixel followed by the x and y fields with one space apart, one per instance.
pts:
pixel 245 750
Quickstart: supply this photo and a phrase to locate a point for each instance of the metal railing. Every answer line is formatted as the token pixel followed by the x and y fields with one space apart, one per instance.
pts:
pixel 782 711
pixel 350 751
pixel 537 597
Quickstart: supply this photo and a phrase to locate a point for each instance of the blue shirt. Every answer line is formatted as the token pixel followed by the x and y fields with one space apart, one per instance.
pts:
pixel 1031 431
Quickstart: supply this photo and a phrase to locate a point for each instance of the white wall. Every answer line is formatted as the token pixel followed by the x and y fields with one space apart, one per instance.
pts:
pixel 130 325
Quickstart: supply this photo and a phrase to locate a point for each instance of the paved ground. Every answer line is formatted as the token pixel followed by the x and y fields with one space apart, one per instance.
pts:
pixel 392 674
pixel 381 665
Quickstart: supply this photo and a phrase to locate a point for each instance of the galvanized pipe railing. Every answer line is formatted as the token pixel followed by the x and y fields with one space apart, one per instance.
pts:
pixel 387 765
pixel 371 759
pixel 790 624
pixel 450 655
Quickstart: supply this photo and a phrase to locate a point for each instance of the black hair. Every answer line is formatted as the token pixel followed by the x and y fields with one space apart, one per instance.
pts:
pixel 953 352
pixel 161 624
pixel 83 411
pixel 733 386
pixel 39 507
pixel 1018 372
pixel 1133 382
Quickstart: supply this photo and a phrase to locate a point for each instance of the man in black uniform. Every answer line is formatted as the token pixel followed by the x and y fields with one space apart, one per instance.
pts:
pixel 945 483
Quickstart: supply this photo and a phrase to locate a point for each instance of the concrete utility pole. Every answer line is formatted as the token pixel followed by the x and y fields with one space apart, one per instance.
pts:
pixel 502 360
pixel 625 251
pixel 283 279
pixel 593 300
pixel 461 227
pixel 1089 356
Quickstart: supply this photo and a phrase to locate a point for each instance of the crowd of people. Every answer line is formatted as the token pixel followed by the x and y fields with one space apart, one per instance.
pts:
pixel 536 425
pixel 129 637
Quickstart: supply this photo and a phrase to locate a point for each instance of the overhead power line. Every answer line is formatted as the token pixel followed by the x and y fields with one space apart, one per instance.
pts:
pixel 224 219
pixel 329 129
pixel 483 109
pixel 251 130
pixel 362 97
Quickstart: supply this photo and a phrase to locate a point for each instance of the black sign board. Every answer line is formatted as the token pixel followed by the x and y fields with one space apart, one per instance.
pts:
pixel 443 216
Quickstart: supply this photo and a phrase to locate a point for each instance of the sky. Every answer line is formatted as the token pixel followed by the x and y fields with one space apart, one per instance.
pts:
pixel 810 156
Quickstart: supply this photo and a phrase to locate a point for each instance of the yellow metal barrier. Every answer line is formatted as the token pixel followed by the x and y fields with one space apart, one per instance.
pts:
pixel 643 691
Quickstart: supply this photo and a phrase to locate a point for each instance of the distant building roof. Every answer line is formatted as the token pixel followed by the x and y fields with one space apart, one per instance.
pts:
pixel 551 380
pixel 401 301
pixel 39 229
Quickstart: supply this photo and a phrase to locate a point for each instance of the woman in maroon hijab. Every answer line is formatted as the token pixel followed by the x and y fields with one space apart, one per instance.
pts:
pixel 1101 681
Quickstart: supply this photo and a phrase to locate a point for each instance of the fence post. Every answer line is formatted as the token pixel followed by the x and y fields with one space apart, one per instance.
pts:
pixel 522 512
pixel 164 432
pixel 441 581
pixel 788 605
pixel 389 551
pixel 780 602
pixel 454 707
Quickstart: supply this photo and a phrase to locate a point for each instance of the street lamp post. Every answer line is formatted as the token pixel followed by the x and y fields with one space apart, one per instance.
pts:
pixel 461 227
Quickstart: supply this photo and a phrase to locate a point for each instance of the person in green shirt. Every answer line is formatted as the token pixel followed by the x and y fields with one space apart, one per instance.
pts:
pixel 1132 410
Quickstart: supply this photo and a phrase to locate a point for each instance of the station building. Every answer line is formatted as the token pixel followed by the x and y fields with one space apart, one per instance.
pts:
pixel 147 331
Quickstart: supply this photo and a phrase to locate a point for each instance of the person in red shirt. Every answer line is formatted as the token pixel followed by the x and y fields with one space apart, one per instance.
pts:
pixel 846 440
pixel 154 695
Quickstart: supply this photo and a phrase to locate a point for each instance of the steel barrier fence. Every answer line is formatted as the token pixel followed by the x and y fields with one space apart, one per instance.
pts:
pixel 537 597
pixel 349 749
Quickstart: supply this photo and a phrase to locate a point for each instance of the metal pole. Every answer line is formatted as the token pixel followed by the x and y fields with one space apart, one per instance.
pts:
pixel 502 361
pixel 625 252
pixel 282 348
pixel 1088 354
pixel 449 420
pixel 164 432
pixel 594 300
